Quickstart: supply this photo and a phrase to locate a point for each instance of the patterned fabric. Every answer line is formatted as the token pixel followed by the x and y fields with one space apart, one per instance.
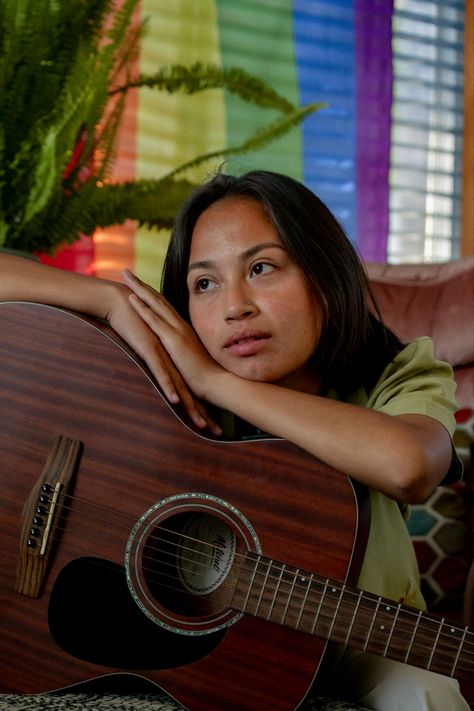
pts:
pixel 135 702
pixel 86 702
pixel 440 532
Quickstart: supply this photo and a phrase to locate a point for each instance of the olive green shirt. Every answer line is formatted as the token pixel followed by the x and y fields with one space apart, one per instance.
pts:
pixel 416 383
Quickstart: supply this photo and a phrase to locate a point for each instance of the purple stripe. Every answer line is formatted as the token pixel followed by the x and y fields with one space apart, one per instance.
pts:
pixel 374 79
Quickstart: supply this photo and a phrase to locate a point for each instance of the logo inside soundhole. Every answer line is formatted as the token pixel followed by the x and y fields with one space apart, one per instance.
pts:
pixel 206 548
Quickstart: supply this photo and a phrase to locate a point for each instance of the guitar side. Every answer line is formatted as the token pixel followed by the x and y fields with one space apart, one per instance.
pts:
pixel 65 376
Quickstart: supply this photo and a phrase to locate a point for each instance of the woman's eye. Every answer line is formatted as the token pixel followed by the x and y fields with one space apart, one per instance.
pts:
pixel 261 268
pixel 205 284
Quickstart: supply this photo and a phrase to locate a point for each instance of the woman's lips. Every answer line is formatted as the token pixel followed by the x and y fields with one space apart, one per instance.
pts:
pixel 247 343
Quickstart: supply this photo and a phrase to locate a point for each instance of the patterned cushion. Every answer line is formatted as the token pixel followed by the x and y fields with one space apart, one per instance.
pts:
pixel 439 529
pixel 87 702
pixel 131 702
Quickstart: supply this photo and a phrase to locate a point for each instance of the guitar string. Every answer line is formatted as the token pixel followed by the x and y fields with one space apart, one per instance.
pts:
pixel 335 586
pixel 394 648
pixel 428 647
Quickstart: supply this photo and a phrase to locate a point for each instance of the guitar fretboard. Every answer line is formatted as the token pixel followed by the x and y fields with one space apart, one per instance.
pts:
pixel 331 610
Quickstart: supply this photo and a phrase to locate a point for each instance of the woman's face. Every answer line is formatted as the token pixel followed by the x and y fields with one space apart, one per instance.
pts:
pixel 249 302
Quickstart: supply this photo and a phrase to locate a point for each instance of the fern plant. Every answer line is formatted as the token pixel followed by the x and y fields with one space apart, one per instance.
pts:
pixel 64 75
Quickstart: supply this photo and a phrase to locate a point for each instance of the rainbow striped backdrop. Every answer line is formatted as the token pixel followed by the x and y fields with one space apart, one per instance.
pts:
pixel 309 50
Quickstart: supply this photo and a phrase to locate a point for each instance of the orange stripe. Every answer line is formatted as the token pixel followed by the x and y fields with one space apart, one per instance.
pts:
pixel 114 247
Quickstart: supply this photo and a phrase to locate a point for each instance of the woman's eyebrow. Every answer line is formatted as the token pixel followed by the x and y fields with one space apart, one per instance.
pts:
pixel 204 264
pixel 246 254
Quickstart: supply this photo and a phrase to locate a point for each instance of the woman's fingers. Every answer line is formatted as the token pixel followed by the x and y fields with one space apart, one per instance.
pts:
pixel 175 388
pixel 146 302
pixel 152 298
pixel 131 278
pixel 163 369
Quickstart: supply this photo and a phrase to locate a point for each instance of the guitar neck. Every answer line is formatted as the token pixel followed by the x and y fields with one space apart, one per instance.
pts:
pixel 328 609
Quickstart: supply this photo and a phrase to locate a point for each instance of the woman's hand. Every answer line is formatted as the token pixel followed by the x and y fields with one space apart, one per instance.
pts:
pixel 133 320
pixel 176 336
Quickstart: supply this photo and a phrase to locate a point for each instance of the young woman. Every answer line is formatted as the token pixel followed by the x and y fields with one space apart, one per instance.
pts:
pixel 266 313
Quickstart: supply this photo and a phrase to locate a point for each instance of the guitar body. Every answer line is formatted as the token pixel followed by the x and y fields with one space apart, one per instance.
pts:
pixel 139 468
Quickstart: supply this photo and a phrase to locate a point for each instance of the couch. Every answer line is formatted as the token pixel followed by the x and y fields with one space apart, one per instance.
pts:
pixel 435 300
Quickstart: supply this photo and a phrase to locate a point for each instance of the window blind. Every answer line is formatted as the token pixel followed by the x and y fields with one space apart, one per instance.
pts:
pixel 427 130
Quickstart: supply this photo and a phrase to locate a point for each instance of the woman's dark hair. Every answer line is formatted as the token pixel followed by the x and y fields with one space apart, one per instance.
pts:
pixel 355 346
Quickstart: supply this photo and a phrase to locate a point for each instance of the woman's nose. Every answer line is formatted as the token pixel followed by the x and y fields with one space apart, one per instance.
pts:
pixel 239 305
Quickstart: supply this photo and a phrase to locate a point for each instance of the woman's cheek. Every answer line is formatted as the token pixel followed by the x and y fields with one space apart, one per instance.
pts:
pixel 200 325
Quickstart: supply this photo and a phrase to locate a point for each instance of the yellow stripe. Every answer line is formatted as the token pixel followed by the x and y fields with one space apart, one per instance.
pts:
pixel 175 128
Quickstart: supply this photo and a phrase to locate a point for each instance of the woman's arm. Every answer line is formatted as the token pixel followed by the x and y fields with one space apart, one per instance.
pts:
pixel 405 457
pixel 27 280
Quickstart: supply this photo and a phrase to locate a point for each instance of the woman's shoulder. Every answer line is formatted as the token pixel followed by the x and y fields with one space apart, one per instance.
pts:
pixel 416 359
pixel 416 382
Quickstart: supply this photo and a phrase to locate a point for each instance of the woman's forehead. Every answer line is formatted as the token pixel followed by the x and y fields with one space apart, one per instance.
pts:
pixel 235 223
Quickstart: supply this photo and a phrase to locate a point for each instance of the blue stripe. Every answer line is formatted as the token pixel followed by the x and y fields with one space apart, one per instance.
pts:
pixel 325 60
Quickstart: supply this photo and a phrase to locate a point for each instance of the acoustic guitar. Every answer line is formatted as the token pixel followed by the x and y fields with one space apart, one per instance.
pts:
pixel 130 542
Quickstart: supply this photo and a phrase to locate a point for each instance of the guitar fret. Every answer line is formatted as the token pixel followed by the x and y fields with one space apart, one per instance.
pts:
pixel 250 586
pixel 381 630
pixel 321 600
pixel 263 584
pixel 336 611
pixel 435 645
pixel 303 603
pixel 290 595
pixel 372 623
pixel 413 636
pixel 387 644
pixel 459 651
pixel 354 615
pixel 275 593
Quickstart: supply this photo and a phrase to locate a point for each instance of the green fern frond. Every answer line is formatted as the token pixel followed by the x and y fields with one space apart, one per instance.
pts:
pixel 151 203
pixel 128 54
pixel 55 142
pixel 259 139
pixel 106 139
pixel 120 24
pixel 199 77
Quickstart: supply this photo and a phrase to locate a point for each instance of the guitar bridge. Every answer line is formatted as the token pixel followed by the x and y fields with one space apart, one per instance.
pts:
pixel 43 510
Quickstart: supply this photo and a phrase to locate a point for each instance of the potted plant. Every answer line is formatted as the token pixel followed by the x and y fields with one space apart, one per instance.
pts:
pixel 65 70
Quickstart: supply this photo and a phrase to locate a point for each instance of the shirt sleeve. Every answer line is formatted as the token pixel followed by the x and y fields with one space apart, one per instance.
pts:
pixel 415 382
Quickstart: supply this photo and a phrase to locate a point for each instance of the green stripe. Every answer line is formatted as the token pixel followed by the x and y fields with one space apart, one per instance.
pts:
pixel 258 37
pixel 173 129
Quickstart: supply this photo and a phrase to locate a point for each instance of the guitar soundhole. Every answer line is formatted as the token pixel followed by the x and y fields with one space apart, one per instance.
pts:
pixel 188 564
pixel 182 560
